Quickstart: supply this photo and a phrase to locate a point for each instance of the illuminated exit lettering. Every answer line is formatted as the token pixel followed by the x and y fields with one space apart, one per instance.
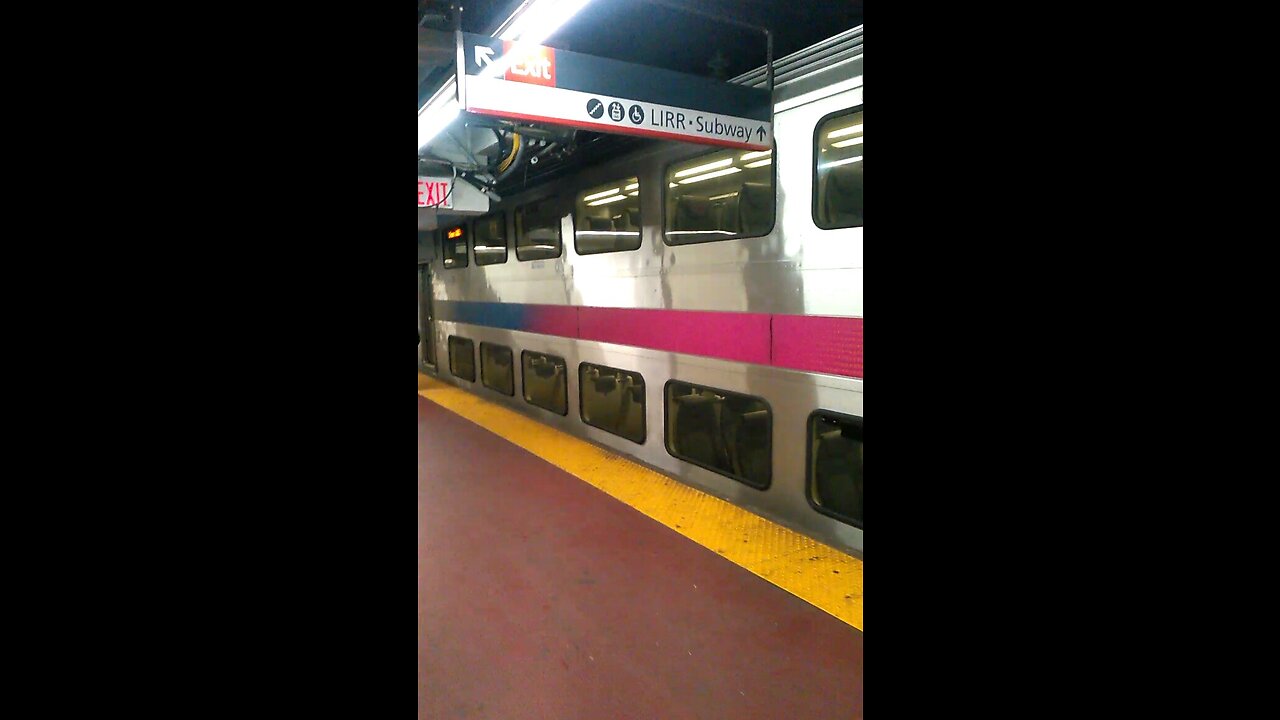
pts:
pixel 535 65
pixel 434 193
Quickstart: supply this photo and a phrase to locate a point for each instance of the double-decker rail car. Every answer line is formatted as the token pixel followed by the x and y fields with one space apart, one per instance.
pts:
pixel 698 309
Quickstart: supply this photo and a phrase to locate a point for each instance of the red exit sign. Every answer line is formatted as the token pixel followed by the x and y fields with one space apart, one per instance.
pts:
pixel 535 65
pixel 434 193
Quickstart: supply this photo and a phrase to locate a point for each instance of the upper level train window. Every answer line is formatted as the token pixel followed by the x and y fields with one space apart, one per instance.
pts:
pixel 607 218
pixel 545 382
pixel 490 242
pixel 462 358
pixel 497 371
pixel 837 182
pixel 613 400
pixel 723 195
pixel 538 230
pixel 454 241
pixel 835 465
pixel 724 432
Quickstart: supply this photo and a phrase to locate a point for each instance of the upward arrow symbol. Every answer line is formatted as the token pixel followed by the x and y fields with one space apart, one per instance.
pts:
pixel 484 56
pixel 761 131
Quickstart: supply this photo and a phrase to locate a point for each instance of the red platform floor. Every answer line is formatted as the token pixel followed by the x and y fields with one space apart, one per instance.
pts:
pixel 541 597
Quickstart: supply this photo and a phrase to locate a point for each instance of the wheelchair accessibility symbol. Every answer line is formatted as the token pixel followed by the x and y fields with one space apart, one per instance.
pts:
pixel 637 114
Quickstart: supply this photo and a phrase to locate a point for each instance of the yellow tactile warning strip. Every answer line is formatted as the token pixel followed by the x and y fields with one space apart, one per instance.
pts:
pixel 810 570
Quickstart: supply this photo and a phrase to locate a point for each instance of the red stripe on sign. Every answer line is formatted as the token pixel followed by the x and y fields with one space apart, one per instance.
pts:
pixel 818 344
pixel 727 335
pixel 621 129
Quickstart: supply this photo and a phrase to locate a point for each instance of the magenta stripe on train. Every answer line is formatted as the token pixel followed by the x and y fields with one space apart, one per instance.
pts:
pixel 812 343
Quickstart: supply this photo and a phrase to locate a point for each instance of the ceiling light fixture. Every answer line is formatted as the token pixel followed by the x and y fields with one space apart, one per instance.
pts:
pixel 844 131
pixel 708 166
pixel 708 176
pixel 838 163
pixel 606 201
pixel 600 194
pixel 439 111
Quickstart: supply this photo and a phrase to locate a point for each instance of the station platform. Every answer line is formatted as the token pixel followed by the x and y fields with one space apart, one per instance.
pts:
pixel 543 593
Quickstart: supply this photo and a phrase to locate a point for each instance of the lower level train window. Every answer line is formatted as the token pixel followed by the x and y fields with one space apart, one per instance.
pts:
pixel 837 188
pixel 724 432
pixel 497 371
pixel 545 382
pixel 462 358
pixel 613 400
pixel 835 465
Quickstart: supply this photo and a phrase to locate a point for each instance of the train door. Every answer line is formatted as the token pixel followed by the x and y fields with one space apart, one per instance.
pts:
pixel 426 334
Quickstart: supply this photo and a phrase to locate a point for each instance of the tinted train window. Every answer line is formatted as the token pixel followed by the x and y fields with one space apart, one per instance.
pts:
pixel 613 400
pixel 497 370
pixel 721 431
pixel 545 382
pixel 607 218
pixel 837 186
pixel 462 358
pixel 538 231
pixel 490 242
pixel 454 240
pixel 835 465
pixel 719 196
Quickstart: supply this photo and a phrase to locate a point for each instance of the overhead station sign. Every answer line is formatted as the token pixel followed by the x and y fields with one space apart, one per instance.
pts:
pixel 541 84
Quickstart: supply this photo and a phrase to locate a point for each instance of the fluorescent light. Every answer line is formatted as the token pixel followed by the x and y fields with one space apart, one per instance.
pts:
pixel 600 194
pixel 632 186
pixel 708 166
pixel 672 185
pixel 721 197
pixel 837 163
pixel 700 232
pixel 634 194
pixel 845 131
pixel 847 143
pixel 529 27
pixel 754 155
pixel 708 176
pixel 537 20
pixel 606 201
pixel 439 111
pixel 759 163
pixel 625 233
pixel 531 24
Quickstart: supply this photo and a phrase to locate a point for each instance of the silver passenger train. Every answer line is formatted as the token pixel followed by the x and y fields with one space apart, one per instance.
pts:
pixel 697 309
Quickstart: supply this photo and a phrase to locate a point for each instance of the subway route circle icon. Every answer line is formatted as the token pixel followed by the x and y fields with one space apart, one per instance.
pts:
pixel 595 108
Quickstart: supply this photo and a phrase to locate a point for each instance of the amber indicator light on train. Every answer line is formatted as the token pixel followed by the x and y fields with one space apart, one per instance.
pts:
pixel 455 233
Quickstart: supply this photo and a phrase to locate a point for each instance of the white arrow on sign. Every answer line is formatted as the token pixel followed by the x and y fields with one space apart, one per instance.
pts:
pixel 484 56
